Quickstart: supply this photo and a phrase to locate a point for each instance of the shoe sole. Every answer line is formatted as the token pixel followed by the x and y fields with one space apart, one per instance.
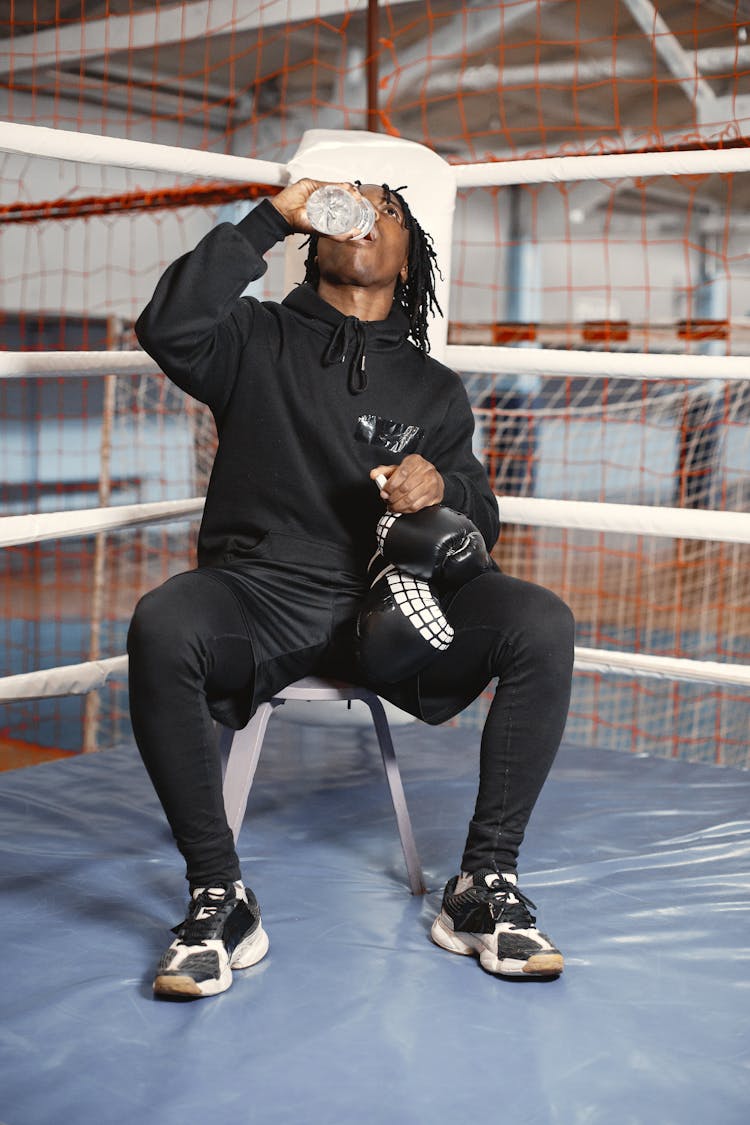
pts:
pixel 538 965
pixel 249 952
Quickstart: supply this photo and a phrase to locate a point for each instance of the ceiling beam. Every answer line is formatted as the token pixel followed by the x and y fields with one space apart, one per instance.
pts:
pixel 135 98
pixel 485 78
pixel 93 39
pixel 161 26
pixel 625 141
pixel 474 30
pixel 669 49
pixel 174 85
pixel 488 76
pixel 470 33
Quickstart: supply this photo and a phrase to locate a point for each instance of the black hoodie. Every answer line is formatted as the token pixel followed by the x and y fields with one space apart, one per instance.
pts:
pixel 306 402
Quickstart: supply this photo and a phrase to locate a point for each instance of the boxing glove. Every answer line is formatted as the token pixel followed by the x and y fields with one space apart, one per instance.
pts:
pixel 435 544
pixel 400 627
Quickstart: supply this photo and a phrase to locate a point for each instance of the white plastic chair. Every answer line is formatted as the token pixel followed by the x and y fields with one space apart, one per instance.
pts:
pixel 241 751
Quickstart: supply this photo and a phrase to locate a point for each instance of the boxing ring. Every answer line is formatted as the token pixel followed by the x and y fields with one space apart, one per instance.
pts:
pixel 640 865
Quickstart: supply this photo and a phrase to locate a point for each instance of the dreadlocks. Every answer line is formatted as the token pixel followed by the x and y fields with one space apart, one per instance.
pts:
pixel 416 296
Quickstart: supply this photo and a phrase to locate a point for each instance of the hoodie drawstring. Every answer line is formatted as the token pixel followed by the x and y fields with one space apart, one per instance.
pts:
pixel 348 342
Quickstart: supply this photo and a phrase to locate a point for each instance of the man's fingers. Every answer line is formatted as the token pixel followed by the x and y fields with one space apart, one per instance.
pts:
pixel 405 475
pixel 416 493
pixel 381 473
pixel 412 501
pixel 410 486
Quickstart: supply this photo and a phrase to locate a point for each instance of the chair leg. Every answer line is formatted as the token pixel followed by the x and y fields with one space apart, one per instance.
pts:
pixel 241 764
pixel 225 738
pixel 393 775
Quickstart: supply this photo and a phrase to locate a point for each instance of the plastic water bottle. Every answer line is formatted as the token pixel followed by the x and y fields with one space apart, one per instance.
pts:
pixel 333 210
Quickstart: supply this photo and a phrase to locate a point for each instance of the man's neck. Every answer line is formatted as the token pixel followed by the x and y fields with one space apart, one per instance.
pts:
pixel 352 300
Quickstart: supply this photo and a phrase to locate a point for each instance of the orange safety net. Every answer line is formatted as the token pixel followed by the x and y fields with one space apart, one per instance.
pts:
pixel 644 265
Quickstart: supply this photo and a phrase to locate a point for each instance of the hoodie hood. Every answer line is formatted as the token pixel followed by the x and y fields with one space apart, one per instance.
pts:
pixel 348 337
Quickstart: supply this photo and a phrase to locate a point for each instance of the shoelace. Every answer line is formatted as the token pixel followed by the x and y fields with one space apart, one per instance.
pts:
pixel 198 926
pixel 516 913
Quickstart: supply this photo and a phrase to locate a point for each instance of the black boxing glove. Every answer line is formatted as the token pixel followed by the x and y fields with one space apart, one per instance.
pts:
pixel 400 628
pixel 435 544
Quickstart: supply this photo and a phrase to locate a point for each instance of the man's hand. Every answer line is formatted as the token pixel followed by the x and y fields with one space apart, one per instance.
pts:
pixel 412 485
pixel 291 204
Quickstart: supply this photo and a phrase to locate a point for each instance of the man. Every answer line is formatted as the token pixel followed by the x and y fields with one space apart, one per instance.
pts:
pixel 313 399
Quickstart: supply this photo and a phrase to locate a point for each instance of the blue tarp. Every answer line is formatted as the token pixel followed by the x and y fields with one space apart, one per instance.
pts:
pixel 640 869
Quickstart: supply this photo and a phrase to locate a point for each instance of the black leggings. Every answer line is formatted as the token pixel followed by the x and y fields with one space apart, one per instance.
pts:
pixel 190 646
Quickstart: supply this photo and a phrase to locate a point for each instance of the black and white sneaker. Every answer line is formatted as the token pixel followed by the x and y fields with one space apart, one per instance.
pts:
pixel 485 913
pixel 222 932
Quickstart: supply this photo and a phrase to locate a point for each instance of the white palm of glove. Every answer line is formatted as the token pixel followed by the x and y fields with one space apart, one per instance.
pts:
pixel 417 603
pixel 385 523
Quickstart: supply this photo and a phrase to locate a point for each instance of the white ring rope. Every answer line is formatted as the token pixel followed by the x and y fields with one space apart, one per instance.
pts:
pixel 462 357
pixel 659 667
pixel 614 365
pixel 70 679
pixel 90 148
pixel 735 527
pixel 663 407
pixel 622 519
pixel 610 166
pixel 79 679
pixel 15 530
pixel 22 365
pixel 627 519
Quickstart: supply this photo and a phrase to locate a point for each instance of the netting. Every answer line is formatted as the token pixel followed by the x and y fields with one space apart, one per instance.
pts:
pixel 647 266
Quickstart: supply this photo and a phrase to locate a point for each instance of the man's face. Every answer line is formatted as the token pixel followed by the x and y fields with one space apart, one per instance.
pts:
pixel 375 261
